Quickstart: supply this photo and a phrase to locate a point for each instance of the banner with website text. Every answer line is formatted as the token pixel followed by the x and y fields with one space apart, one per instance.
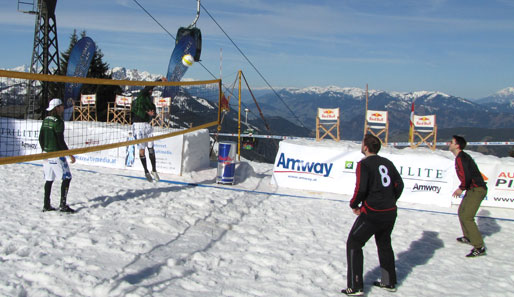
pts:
pixel 429 177
pixel 20 137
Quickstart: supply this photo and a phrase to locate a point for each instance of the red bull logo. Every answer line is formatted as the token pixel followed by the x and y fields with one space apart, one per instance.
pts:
pixel 88 99
pixel 424 121
pixel 226 164
pixel 328 114
pixel 376 117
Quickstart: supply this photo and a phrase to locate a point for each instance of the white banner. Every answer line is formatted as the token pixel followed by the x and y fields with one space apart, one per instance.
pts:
pixel 21 137
pixel 499 178
pixel 424 121
pixel 328 114
pixel 429 178
pixel 314 168
pixel 125 101
pixel 88 99
pixel 376 117
pixel 501 187
pixel 168 155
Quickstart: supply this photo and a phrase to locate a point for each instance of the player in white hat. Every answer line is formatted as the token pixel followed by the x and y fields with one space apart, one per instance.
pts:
pixel 51 139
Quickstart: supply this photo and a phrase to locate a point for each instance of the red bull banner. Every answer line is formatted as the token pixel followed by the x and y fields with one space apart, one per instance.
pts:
pixel 88 99
pixel 424 121
pixel 328 114
pixel 162 102
pixel 123 100
pixel 376 117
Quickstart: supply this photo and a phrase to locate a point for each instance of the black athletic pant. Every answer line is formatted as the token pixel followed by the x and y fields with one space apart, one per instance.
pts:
pixel 361 232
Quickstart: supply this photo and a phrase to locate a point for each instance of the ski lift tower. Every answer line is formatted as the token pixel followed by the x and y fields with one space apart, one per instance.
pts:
pixel 45 54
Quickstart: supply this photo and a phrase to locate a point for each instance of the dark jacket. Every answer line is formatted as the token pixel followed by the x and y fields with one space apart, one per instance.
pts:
pixel 468 172
pixel 378 185
pixel 141 105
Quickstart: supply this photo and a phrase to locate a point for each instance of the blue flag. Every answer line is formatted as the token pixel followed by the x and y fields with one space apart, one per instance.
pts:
pixel 176 70
pixel 78 65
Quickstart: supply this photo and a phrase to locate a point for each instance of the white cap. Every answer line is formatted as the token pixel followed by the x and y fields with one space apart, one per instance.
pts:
pixel 53 104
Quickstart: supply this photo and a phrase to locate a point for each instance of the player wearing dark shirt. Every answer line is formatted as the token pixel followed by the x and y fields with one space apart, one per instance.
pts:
pixel 378 187
pixel 472 182
pixel 51 139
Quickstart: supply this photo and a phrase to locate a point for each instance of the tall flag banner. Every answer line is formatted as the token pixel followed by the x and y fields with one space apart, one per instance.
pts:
pixel 176 69
pixel 188 42
pixel 79 62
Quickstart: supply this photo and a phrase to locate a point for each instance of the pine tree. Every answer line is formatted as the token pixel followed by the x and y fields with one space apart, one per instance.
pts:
pixel 65 57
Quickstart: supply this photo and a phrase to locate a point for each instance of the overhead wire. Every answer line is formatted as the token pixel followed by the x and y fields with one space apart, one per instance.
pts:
pixel 253 66
pixel 235 45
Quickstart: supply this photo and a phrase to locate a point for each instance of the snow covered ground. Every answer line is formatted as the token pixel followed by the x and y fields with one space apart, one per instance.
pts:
pixel 188 236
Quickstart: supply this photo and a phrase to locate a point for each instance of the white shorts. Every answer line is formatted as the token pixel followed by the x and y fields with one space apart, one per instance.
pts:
pixel 142 130
pixel 56 168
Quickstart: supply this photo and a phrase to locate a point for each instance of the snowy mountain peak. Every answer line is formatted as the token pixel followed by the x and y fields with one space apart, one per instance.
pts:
pixel 351 91
pixel 507 92
pixel 359 93
pixel 133 74
pixel 22 68
pixel 418 94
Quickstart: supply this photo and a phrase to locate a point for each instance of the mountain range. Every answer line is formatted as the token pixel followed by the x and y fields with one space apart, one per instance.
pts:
pixel 292 111
pixel 493 112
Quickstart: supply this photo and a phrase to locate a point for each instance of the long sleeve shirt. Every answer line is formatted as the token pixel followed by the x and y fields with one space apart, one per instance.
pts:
pixel 378 185
pixel 468 172
pixel 142 105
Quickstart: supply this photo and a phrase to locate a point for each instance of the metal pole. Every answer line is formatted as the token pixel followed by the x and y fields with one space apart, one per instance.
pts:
pixel 239 121
pixel 366 112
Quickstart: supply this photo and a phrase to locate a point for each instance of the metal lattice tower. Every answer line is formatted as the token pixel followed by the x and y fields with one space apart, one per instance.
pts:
pixel 45 54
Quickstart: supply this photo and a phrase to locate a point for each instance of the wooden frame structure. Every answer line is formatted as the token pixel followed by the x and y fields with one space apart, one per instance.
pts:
pixel 120 110
pixel 327 120
pixel 425 128
pixel 163 105
pixel 377 123
pixel 86 110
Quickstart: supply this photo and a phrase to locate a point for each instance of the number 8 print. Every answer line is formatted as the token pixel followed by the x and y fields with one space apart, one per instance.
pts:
pixel 386 180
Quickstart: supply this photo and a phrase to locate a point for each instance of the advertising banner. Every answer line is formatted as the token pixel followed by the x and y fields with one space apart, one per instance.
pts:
pixel 376 117
pixel 168 152
pixel 328 114
pixel 424 121
pixel 499 178
pixel 501 187
pixel 21 137
pixel 314 168
pixel 78 65
pixel 429 178
pixel 426 180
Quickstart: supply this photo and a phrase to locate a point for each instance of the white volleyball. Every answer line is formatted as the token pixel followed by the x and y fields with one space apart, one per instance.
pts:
pixel 188 60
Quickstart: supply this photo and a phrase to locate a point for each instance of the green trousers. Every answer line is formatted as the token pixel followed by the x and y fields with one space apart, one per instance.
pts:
pixel 467 211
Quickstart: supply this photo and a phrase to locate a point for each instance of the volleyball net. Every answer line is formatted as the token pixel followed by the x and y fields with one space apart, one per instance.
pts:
pixel 99 118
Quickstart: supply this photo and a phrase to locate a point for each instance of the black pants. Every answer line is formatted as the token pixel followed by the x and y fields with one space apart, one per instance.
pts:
pixel 362 230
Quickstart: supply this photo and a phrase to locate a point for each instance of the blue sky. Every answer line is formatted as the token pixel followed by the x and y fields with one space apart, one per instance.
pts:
pixel 460 47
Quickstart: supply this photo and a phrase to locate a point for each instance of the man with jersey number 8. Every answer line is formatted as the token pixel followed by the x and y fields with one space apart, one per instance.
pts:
pixel 378 186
